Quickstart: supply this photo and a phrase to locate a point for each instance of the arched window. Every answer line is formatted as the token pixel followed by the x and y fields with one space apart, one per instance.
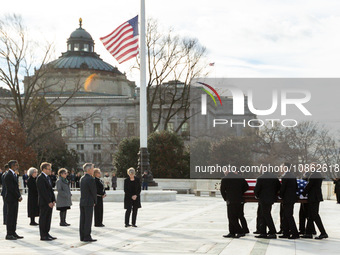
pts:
pixel 69 48
pixel 86 47
pixel 76 47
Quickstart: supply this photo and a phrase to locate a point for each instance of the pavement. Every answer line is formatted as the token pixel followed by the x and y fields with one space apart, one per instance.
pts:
pixel 189 225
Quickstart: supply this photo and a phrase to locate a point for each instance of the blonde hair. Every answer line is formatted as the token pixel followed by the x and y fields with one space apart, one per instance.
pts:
pixel 131 170
pixel 61 171
pixel 96 170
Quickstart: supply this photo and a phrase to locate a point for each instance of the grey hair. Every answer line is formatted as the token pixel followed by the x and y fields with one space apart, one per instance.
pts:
pixel 87 166
pixel 31 171
pixel 131 170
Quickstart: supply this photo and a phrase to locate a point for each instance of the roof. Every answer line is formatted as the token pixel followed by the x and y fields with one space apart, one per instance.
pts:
pixel 82 61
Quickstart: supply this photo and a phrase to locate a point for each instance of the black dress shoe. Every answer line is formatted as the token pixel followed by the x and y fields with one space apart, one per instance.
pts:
pixel 34 224
pixel 284 236
pixel 307 236
pixel 261 236
pixel 301 232
pixel 271 236
pixel 53 238
pixel 17 236
pixel 256 232
pixel 133 225
pixel 280 232
pixel 246 231
pixel 229 236
pixel 46 238
pixel 294 237
pixel 11 237
pixel 100 226
pixel 239 235
pixel 127 225
pixel 321 236
pixel 90 240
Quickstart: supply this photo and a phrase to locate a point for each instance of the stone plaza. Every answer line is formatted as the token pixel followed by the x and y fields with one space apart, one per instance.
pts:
pixel 189 225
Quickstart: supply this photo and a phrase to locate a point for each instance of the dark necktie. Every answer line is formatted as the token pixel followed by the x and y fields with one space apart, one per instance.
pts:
pixel 49 180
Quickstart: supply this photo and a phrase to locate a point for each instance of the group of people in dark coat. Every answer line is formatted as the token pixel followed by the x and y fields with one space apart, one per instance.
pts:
pixel 267 190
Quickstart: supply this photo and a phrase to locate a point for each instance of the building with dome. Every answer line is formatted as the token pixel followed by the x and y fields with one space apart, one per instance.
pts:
pixel 101 106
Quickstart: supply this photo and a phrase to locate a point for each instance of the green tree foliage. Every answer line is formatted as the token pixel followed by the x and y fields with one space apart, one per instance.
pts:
pixel 126 155
pixel 168 158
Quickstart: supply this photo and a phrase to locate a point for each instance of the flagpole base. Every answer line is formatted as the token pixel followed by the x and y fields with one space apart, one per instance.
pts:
pixel 144 166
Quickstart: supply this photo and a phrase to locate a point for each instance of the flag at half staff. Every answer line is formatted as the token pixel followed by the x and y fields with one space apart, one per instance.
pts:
pixel 122 43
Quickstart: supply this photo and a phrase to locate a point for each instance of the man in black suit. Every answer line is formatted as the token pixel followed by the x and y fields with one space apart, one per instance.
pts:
pixel 3 193
pixel 266 189
pixel 314 193
pixel 232 189
pixel 288 193
pixel 46 201
pixel 99 207
pixel 12 198
pixel 88 199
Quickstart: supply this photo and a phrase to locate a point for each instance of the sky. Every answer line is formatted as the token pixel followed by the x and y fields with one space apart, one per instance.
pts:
pixel 244 38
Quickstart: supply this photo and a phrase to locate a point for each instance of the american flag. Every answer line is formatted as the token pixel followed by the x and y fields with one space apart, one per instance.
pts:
pixel 122 43
pixel 250 191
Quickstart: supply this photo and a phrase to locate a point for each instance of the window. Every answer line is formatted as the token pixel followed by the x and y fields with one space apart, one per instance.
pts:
pixel 80 147
pixel 80 130
pixel 96 129
pixel 170 127
pixel 97 157
pixel 76 47
pixel 185 127
pixel 97 147
pixel 81 157
pixel 86 47
pixel 69 48
pixel 64 132
pixel 91 49
pixel 114 129
pixel 154 125
pixel 131 129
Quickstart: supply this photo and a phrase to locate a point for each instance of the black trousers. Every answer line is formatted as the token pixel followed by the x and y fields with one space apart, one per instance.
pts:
pixel 288 222
pixel 338 195
pixel 45 217
pixel 86 215
pixel 267 219
pixel 12 216
pixel 313 213
pixel 98 212
pixel 134 215
pixel 258 218
pixel 281 216
pixel 4 210
pixel 303 217
pixel 243 220
pixel 234 211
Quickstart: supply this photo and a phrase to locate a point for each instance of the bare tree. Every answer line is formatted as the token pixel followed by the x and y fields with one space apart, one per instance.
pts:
pixel 172 63
pixel 24 70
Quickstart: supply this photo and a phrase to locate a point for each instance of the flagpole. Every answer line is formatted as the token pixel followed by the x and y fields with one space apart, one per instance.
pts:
pixel 143 106
pixel 143 163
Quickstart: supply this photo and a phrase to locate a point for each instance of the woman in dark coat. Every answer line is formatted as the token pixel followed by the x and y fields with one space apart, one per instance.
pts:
pixel 99 207
pixel 132 189
pixel 32 201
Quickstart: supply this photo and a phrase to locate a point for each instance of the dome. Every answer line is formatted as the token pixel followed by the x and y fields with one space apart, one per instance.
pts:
pixel 80 33
pixel 80 54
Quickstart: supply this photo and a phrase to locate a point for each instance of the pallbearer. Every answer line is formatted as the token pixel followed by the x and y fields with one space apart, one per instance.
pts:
pixel 266 190
pixel 232 189
pixel 314 193
pixel 288 193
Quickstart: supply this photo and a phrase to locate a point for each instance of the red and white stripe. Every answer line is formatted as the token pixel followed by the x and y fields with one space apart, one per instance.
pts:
pixel 250 191
pixel 121 43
